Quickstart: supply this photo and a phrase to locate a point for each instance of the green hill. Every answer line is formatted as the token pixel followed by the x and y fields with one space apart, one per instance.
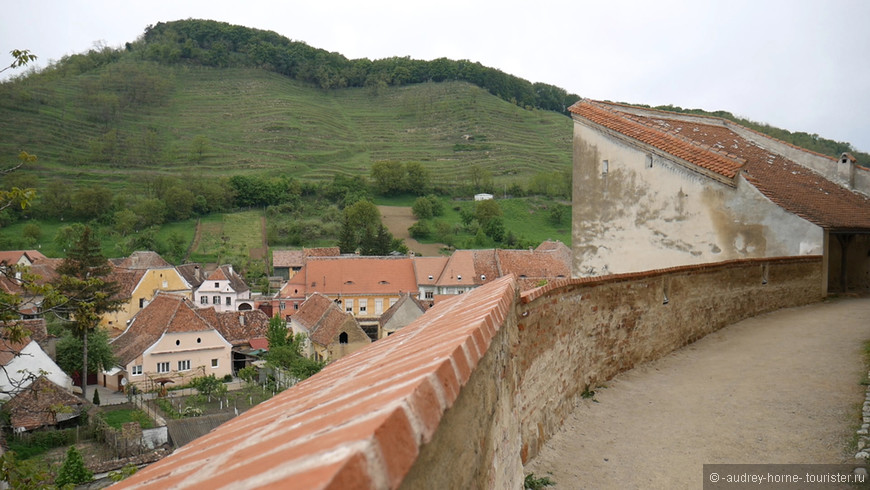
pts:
pixel 217 122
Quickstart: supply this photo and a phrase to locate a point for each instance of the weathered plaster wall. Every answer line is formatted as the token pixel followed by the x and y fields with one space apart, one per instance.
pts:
pixel 576 334
pixel 647 212
pixel 356 340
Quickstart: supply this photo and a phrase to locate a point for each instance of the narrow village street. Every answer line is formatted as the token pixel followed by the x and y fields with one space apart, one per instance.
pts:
pixel 784 387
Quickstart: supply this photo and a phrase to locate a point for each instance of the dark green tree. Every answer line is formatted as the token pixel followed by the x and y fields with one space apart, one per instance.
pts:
pixel 83 282
pixel 70 351
pixel 277 333
pixel 73 470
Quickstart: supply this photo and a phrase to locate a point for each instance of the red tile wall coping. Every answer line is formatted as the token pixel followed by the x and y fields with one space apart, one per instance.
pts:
pixel 533 294
pixel 716 119
pixel 361 421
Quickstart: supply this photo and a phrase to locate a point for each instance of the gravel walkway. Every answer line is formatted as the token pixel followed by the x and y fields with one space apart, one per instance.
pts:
pixel 779 388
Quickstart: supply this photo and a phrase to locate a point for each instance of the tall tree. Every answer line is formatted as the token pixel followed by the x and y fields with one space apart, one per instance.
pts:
pixel 89 293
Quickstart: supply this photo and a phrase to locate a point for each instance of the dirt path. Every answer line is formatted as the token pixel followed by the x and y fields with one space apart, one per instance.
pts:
pixel 398 219
pixel 778 388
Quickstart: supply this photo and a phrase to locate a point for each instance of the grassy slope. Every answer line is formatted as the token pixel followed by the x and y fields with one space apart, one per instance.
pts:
pixel 261 122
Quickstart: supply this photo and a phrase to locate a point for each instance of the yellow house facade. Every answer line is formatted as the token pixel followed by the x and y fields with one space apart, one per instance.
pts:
pixel 139 287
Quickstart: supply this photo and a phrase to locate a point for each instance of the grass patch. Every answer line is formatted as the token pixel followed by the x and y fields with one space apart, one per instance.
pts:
pixel 117 418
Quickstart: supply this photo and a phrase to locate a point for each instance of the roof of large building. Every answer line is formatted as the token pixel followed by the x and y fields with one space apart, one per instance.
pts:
pixel 359 275
pixel 716 148
pixel 166 313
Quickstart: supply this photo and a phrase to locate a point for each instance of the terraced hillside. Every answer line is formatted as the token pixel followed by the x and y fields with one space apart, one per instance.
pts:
pixel 220 122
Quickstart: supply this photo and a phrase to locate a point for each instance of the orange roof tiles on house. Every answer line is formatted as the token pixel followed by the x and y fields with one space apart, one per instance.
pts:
pixel 312 310
pixel 166 313
pixel 429 269
pixel 329 325
pixel 335 276
pixel 360 422
pixel 793 187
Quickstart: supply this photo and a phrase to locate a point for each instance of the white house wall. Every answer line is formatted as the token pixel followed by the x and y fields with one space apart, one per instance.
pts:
pixel 32 360
pixel 635 217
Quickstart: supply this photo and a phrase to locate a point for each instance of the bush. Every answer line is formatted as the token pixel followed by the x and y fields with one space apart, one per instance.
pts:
pixel 419 230
pixel 228 378
pixel 73 470
pixel 96 399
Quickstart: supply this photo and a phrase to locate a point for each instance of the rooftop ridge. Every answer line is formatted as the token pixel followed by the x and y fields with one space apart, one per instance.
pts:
pixel 607 117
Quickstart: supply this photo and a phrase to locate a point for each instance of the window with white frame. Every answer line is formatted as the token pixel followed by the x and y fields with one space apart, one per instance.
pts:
pixel 379 306
pixel 203 300
pixel 216 300
pixel 348 305
pixel 214 363
pixel 184 365
pixel 363 305
pixel 430 294
pixel 136 370
pixel 229 301
pixel 163 367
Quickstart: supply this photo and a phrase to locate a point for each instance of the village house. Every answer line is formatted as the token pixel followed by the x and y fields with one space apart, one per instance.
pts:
pixel 286 263
pixel 404 312
pixel 140 277
pixel 224 290
pixel 655 189
pixel 21 363
pixel 45 404
pixel 330 332
pixel 365 287
pixel 244 330
pixel 464 270
pixel 169 339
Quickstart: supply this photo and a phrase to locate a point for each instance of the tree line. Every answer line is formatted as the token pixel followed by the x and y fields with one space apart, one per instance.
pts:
pixel 220 44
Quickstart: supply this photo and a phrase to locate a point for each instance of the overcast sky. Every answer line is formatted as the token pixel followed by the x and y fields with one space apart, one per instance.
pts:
pixel 797 64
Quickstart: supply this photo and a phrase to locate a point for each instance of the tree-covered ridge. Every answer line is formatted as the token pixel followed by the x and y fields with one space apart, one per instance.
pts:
pixel 812 142
pixel 220 44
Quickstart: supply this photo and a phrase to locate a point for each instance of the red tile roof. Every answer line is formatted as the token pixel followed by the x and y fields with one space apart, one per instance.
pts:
pixel 363 419
pixel 793 187
pixel 38 406
pixel 166 313
pixel 336 276
pixel 238 327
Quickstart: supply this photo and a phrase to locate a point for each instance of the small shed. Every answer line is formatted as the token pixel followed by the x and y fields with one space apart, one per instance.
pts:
pixel 482 197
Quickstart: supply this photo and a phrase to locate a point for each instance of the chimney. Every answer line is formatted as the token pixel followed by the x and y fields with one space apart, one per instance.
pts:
pixel 242 319
pixel 197 273
pixel 846 169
